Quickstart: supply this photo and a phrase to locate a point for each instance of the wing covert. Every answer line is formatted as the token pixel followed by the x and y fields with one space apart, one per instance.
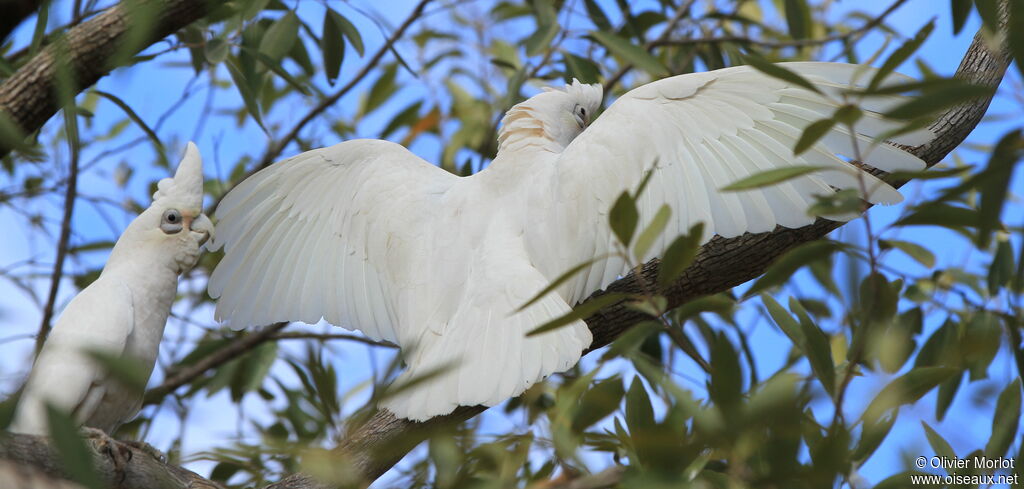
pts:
pixel 324 235
pixel 700 132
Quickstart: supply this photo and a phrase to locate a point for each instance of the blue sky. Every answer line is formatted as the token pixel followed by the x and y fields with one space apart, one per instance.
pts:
pixel 151 89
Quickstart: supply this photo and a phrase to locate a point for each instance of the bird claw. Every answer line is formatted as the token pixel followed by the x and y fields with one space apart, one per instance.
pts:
pixel 120 454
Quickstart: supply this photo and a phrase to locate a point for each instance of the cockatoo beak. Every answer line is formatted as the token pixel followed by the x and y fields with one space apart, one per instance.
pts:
pixel 201 224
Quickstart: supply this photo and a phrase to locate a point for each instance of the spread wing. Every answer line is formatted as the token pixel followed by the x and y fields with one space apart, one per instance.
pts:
pixel 697 133
pixel 99 318
pixel 322 234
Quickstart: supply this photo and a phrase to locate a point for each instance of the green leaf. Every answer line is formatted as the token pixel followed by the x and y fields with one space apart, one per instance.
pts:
pixel 783 268
pixel 798 18
pixel 784 320
pixel 907 389
pixel 771 177
pixel 989 12
pixel 776 71
pixel 631 53
pixel 245 90
pixel 995 184
pixel 679 255
pixel 872 435
pixel 351 33
pixel 939 444
pixel 279 38
pixel 597 403
pixel 579 312
pixel 133 116
pixel 934 214
pixel 639 413
pixel 547 29
pixel 579 68
pixel 817 347
pixel 561 279
pixel 381 91
pixel 960 10
pixel 651 233
pixel 216 51
pixel 936 101
pixel 1016 41
pixel 623 218
pixel 597 16
pixel 332 44
pixel 919 253
pixel 726 385
pixel 280 71
pixel 1005 421
pixel 900 55
pixel 1000 272
pixel 75 457
pixel 812 134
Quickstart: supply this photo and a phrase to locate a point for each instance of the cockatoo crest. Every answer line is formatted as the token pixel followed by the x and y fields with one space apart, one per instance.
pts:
pixel 551 119
pixel 185 190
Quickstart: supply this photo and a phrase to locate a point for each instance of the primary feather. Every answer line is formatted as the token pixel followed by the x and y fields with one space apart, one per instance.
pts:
pixel 122 313
pixel 369 236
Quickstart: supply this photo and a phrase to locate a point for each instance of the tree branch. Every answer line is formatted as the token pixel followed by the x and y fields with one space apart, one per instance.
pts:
pixel 276 148
pixel 62 243
pixel 91 50
pixel 211 361
pixel 142 471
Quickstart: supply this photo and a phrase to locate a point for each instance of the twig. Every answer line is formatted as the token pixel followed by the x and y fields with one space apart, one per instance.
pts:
pixel 276 148
pixel 672 23
pixel 796 43
pixel 62 244
pixel 213 360
pixel 298 335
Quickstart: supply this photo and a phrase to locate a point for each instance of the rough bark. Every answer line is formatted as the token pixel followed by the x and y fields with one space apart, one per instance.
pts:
pixel 141 471
pixel 373 447
pixel 87 52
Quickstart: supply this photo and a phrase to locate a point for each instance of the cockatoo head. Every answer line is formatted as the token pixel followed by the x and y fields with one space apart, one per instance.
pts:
pixel 174 226
pixel 557 115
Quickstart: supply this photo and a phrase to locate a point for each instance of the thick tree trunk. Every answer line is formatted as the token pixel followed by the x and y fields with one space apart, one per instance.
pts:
pixel 86 53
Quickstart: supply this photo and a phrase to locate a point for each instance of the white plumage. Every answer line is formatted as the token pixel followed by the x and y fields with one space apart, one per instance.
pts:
pixel 122 313
pixel 369 236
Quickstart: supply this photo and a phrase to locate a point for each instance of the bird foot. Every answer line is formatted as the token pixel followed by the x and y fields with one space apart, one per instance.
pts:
pixel 120 454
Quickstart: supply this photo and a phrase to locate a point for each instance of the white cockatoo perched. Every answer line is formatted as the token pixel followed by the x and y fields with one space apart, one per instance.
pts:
pixel 369 236
pixel 122 313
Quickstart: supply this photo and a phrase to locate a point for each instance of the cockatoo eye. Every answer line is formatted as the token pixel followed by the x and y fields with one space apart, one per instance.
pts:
pixel 171 222
pixel 580 114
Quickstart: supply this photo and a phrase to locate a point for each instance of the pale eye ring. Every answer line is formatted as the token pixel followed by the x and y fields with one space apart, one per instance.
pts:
pixel 580 114
pixel 171 222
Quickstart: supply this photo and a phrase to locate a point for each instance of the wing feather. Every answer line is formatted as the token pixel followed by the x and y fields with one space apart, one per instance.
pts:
pixel 701 132
pixel 309 237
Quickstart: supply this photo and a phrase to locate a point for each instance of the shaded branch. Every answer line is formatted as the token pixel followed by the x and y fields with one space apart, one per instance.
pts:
pixel 62 243
pixel 233 350
pixel 89 51
pixel 142 471
pixel 277 147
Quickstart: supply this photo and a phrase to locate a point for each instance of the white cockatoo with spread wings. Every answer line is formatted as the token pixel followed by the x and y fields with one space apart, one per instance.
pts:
pixel 369 236
pixel 122 313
